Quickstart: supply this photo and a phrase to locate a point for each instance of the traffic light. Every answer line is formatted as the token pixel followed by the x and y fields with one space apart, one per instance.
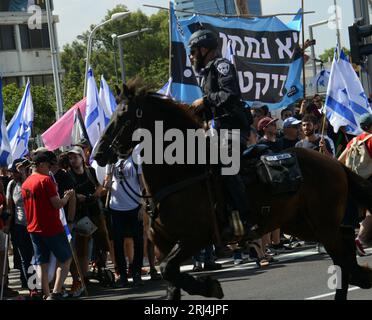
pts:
pixel 358 48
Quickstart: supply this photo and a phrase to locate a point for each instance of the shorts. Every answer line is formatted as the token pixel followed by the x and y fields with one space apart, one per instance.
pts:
pixel 43 246
pixel 126 223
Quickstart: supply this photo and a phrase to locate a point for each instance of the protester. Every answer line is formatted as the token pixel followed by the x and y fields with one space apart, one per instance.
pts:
pixel 268 132
pixel 17 220
pixel 311 140
pixel 4 246
pixel 126 210
pixel 88 194
pixel 42 204
pixel 290 133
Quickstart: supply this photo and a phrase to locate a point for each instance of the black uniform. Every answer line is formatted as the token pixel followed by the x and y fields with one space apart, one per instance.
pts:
pixel 222 96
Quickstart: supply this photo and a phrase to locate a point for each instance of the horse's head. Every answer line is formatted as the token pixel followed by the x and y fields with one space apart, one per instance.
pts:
pixel 123 123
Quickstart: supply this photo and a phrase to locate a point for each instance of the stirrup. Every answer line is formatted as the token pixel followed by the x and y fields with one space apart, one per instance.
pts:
pixel 237 224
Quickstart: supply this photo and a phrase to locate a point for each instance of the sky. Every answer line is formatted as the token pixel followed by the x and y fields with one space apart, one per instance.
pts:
pixel 77 15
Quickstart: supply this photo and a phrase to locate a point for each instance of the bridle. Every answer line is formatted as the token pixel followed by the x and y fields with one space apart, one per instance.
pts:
pixel 114 145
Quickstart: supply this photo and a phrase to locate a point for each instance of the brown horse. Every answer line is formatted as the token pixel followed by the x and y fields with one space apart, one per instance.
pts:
pixel 186 198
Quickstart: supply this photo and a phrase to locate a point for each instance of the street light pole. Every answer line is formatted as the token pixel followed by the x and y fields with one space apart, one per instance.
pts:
pixel 337 25
pixel 115 16
pixel 54 56
pixel 114 36
pixel 311 35
pixel 121 51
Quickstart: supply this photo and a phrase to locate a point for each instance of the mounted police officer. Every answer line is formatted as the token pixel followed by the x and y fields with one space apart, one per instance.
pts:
pixel 222 102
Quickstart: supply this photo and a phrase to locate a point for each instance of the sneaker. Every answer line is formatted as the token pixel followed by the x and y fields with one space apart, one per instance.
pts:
pixel 154 275
pixel 359 248
pixel 55 296
pixel 122 283
pixel 36 295
pixel 210 266
pixel 197 268
pixel 76 289
pixel 238 257
pixel 137 282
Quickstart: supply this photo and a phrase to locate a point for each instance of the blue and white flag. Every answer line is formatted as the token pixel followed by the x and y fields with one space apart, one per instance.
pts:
pixel 5 152
pixel 346 100
pixel 229 53
pixel 94 115
pixel 321 79
pixel 166 89
pixel 265 51
pixel 107 100
pixel 184 84
pixel 19 128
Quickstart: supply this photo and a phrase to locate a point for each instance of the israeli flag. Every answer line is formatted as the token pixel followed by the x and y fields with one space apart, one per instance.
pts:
pixel 5 152
pixel 107 100
pixel 94 116
pixel 19 128
pixel 166 89
pixel 321 79
pixel 346 100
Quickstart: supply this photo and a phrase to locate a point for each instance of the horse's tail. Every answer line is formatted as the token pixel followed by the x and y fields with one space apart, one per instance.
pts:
pixel 360 189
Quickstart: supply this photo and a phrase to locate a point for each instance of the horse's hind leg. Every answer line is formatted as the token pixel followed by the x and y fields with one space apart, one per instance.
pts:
pixel 170 269
pixel 342 252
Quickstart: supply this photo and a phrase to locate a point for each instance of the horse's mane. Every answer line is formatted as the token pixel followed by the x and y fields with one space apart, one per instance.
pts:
pixel 176 110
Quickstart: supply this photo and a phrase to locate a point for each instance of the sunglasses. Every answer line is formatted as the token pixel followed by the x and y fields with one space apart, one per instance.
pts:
pixel 193 51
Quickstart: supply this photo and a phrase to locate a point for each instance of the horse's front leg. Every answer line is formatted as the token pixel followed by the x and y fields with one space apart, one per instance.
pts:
pixel 170 269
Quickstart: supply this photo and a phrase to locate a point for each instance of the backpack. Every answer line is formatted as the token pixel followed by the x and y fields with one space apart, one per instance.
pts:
pixel 358 158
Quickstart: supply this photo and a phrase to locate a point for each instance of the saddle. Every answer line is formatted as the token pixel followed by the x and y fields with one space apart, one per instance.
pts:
pixel 279 171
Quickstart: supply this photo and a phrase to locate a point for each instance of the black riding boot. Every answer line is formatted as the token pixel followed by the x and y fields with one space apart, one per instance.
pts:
pixel 239 199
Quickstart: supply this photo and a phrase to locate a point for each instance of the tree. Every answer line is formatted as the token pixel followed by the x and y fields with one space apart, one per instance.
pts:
pixel 328 54
pixel 146 55
pixel 43 101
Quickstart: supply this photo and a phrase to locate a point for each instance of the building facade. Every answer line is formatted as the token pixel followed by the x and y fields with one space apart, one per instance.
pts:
pixel 214 6
pixel 24 51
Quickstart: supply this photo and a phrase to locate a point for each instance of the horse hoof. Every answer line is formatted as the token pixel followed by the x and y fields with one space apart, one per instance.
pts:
pixel 214 289
pixel 173 294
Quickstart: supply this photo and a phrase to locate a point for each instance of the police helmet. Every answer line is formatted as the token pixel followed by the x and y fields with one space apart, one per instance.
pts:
pixel 203 39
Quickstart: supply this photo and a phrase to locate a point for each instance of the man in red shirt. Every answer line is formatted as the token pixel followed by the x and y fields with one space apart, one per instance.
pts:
pixel 42 204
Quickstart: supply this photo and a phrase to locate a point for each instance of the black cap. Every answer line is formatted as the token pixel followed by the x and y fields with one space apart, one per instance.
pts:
pixel 44 156
pixel 203 39
pixel 13 168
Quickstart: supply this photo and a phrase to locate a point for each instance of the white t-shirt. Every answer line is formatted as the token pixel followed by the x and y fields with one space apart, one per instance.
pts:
pixel 120 200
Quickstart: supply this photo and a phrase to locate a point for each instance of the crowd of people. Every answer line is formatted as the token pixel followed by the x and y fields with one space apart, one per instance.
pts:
pixel 37 190
pixel 301 125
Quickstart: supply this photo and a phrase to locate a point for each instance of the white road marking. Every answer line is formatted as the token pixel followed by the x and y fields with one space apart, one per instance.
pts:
pixel 330 294
pixel 368 251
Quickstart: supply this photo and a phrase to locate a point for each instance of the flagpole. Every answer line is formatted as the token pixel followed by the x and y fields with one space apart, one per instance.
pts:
pixel 303 45
pixel 170 41
pixel 85 132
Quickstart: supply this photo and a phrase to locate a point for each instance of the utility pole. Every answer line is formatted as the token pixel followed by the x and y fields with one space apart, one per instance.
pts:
pixel 54 54
pixel 241 7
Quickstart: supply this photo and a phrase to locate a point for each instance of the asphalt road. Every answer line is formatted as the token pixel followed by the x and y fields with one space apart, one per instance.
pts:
pixel 298 275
